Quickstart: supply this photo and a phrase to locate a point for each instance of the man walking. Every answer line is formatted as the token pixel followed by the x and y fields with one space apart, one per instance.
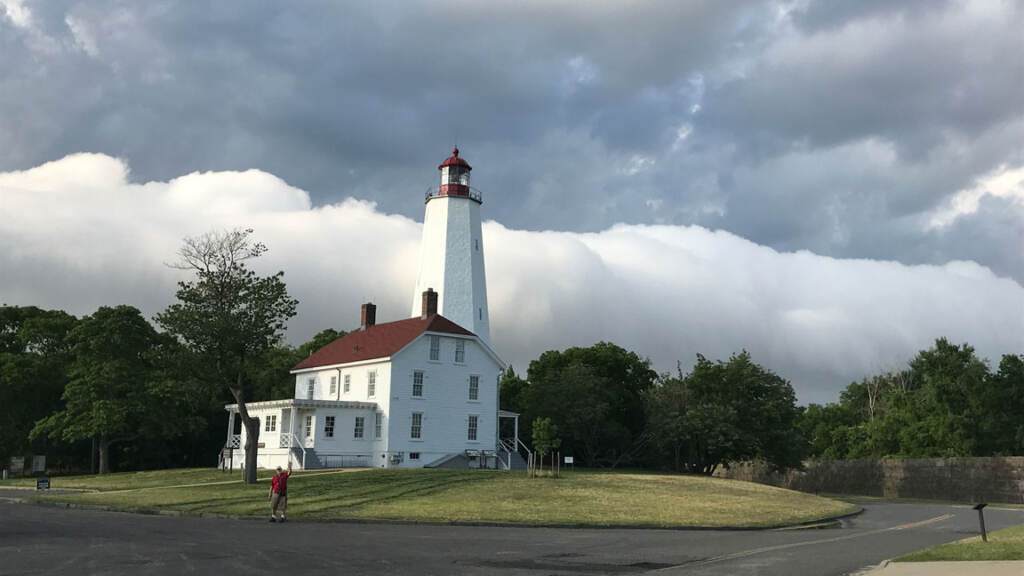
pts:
pixel 279 492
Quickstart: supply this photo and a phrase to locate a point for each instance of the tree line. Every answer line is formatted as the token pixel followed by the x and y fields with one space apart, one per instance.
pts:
pixel 947 402
pixel 611 409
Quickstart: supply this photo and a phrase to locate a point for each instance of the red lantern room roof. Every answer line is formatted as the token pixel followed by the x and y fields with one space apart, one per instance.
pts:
pixel 454 160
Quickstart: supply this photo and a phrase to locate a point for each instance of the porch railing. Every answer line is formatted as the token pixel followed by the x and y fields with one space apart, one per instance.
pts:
pixel 234 441
pixel 292 441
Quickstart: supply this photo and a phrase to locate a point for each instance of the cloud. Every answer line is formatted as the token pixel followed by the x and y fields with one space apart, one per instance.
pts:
pixel 78 233
pixel 833 126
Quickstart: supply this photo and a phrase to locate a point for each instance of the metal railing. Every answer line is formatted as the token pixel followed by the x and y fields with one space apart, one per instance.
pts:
pixel 291 441
pixel 474 194
pixel 345 461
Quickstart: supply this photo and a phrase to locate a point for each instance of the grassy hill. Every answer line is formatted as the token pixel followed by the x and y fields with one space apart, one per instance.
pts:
pixel 584 498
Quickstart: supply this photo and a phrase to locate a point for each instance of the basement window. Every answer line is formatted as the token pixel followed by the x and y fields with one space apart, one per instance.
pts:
pixel 414 455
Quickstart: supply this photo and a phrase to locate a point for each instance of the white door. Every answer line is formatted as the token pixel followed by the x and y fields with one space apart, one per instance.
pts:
pixel 307 430
pixel 286 417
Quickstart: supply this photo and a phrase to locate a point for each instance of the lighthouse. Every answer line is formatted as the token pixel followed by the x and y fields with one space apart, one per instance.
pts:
pixel 452 250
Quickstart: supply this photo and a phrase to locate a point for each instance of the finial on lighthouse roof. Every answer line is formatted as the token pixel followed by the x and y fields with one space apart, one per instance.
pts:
pixel 455 160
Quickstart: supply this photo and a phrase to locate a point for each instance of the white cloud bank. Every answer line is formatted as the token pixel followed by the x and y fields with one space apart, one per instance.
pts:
pixel 76 234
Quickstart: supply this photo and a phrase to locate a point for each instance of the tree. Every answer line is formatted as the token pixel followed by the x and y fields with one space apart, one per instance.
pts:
pixel 35 354
pixel 545 439
pixel 594 395
pixel 229 317
pixel 111 391
pixel 724 412
pixel 1002 403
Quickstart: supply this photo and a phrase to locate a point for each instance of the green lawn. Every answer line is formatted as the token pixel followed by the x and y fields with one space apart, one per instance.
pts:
pixel 588 498
pixel 1005 544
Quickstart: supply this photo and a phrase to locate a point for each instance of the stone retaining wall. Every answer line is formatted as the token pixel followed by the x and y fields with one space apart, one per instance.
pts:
pixel 995 479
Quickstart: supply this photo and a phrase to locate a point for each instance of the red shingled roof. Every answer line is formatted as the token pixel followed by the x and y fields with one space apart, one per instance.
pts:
pixel 378 341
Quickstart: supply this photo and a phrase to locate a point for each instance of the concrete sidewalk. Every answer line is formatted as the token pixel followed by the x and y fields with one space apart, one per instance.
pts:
pixel 1008 568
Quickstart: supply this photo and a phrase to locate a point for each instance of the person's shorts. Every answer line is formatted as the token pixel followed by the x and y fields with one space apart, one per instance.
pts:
pixel 278 499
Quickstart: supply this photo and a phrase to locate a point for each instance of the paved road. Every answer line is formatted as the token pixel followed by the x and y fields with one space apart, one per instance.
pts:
pixel 43 540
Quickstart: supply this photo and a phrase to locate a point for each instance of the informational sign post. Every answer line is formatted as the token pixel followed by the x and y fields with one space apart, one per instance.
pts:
pixel 569 461
pixel 43 483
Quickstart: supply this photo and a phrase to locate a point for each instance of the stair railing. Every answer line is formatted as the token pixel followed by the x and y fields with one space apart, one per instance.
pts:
pixel 290 442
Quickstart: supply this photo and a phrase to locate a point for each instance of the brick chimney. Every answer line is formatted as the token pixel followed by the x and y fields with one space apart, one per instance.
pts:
pixel 429 302
pixel 369 316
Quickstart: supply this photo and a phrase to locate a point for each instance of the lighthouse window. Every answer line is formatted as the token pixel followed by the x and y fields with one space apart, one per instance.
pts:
pixel 476 244
pixel 464 178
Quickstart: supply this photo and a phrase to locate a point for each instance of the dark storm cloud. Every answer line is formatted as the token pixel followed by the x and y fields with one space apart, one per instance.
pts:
pixel 829 126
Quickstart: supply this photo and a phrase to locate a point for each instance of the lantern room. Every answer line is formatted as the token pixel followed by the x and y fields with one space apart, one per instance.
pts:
pixel 454 176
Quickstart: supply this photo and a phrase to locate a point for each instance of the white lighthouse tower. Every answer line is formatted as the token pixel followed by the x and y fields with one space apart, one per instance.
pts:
pixel 452 251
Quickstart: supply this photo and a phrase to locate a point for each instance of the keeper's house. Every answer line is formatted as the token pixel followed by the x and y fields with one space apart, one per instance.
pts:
pixel 410 393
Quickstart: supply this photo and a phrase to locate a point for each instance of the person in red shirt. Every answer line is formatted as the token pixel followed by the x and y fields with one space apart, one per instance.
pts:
pixel 279 492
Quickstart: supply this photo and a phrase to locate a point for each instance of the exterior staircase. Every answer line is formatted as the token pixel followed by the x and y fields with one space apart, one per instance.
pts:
pixel 509 457
pixel 312 460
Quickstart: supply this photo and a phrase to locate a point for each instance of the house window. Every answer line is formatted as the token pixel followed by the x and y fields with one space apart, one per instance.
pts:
pixel 358 432
pixel 435 347
pixel 334 385
pixel 378 424
pixel 417 425
pixel 348 382
pixel 414 455
pixel 310 386
pixel 309 426
pixel 460 351
pixel 474 387
pixel 417 383
pixel 371 383
pixel 471 431
pixel 271 425
pixel 329 426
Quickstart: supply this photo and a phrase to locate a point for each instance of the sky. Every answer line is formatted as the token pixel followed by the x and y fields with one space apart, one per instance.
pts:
pixel 829 185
